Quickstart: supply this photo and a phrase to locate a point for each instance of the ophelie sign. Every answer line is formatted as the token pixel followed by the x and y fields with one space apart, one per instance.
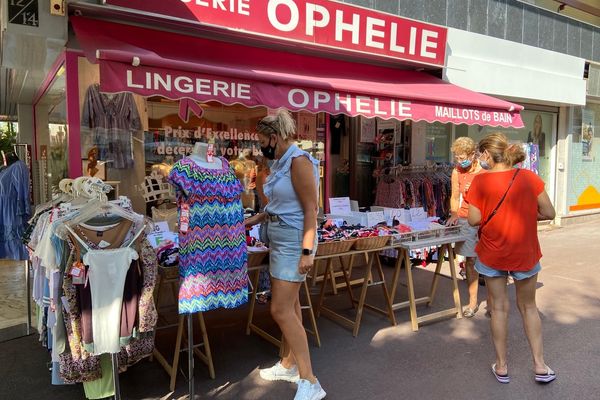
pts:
pixel 322 23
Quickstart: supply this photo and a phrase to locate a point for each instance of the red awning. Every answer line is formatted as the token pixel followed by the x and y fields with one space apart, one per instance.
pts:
pixel 151 62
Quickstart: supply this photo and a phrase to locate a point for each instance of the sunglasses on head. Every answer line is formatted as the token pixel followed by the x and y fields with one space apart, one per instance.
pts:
pixel 269 125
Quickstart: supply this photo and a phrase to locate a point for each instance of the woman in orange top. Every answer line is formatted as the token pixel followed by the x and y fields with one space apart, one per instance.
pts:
pixel 467 167
pixel 507 203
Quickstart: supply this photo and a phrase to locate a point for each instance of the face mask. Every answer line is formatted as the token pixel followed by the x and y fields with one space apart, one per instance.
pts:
pixel 269 151
pixel 465 164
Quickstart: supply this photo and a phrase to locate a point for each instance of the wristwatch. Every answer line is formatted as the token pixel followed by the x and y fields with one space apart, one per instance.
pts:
pixel 306 252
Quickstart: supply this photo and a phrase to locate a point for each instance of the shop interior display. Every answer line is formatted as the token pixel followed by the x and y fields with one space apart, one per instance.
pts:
pixel 416 186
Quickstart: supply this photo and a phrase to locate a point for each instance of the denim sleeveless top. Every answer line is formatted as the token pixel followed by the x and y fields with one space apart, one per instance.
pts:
pixel 278 188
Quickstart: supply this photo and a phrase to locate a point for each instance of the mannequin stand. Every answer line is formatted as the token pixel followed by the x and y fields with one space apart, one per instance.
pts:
pixel 173 368
pixel 206 356
pixel 190 350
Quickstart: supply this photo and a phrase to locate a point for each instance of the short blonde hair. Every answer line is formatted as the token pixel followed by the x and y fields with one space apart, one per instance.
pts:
pixel 463 145
pixel 282 124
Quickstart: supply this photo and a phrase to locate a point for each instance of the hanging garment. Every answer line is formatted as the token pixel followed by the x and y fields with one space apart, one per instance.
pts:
pixel 15 210
pixel 107 270
pixel 212 253
pixel 112 120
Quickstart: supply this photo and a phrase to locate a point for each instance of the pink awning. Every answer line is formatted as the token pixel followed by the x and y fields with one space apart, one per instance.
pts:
pixel 158 63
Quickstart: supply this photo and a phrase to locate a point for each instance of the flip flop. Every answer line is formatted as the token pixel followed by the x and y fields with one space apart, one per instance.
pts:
pixel 501 378
pixel 548 377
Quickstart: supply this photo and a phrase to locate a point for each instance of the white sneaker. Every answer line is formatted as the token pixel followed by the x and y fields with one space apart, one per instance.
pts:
pixel 309 391
pixel 279 373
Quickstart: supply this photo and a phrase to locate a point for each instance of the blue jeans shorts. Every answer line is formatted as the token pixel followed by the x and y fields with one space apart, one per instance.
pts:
pixel 517 275
pixel 285 243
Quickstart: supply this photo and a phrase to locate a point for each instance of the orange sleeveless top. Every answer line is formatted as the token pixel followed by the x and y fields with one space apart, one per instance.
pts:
pixel 464 183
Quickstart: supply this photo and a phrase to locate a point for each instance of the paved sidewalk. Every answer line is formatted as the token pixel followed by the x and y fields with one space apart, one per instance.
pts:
pixel 445 360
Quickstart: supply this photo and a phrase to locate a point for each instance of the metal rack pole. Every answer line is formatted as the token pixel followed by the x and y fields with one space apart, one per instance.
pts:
pixel 115 373
pixel 28 294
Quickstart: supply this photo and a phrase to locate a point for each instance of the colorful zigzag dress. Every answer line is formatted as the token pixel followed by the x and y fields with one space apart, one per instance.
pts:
pixel 212 253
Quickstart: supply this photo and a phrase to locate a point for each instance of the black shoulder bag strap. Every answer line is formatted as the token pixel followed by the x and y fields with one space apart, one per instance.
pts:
pixel 484 223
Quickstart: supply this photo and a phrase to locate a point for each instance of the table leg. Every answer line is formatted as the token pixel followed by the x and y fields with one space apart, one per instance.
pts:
pixel 347 279
pixel 436 275
pixel 333 280
pixel 363 296
pixel 324 285
pixel 255 279
pixel 396 276
pixel 386 295
pixel 411 295
pixel 455 291
pixel 311 314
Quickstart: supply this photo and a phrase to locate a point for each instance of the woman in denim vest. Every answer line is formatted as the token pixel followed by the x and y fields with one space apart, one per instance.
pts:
pixel 291 222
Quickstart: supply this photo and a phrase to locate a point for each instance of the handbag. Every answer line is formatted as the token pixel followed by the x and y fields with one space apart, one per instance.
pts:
pixel 484 223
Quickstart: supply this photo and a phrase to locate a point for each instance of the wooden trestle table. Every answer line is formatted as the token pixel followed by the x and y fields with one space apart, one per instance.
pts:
pixel 444 248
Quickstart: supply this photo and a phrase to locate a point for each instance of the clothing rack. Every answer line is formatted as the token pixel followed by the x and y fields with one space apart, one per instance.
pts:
pixel 94 191
pixel 426 186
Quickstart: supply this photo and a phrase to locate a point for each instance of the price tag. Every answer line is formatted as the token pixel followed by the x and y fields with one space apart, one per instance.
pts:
pixel 184 218
pixel 53 214
pixel 78 273
pixel 210 153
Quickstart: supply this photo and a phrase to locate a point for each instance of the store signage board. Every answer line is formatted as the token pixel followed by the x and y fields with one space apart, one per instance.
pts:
pixel 322 23
pixel 24 12
pixel 340 206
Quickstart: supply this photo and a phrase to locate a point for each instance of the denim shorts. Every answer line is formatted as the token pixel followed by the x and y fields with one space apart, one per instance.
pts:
pixel 517 275
pixel 285 243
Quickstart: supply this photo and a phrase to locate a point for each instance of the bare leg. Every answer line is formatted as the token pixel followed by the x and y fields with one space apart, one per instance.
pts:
pixel 472 281
pixel 498 294
pixel 284 311
pixel 531 320
pixel 288 359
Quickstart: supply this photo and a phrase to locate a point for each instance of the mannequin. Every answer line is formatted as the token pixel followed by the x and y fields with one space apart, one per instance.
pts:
pixel 245 170
pixel 212 238
pixel 200 156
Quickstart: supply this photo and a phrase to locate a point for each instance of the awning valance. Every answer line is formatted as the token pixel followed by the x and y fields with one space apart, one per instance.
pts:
pixel 176 66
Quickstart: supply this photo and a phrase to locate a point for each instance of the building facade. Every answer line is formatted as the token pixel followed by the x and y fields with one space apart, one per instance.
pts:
pixel 508 49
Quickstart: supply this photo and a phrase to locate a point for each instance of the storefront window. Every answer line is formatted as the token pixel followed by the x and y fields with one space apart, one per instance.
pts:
pixel 538 132
pixel 437 146
pixel 52 135
pixel 584 167
pixel 232 130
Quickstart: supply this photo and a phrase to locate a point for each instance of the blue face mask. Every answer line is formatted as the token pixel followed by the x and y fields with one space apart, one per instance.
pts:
pixel 465 164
